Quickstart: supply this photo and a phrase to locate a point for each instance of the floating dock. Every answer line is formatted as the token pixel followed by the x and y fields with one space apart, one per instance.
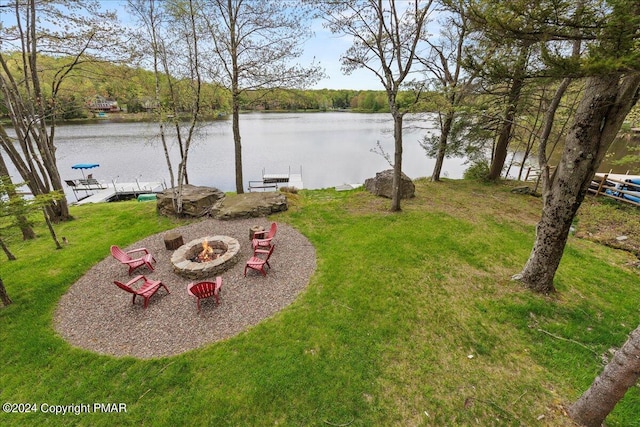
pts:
pixel 110 192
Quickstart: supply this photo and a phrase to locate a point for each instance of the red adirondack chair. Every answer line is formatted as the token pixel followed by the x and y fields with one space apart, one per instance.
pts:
pixel 206 289
pixel 258 264
pixel 262 239
pixel 146 291
pixel 133 263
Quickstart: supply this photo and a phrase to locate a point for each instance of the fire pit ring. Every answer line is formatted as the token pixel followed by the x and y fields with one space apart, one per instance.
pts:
pixel 185 267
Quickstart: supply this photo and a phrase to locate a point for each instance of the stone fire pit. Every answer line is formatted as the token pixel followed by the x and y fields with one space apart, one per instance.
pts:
pixel 185 267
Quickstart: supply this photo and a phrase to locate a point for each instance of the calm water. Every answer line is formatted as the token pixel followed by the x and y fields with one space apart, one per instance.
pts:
pixel 330 148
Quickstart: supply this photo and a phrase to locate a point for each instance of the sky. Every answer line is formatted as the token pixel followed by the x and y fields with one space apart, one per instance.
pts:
pixel 325 47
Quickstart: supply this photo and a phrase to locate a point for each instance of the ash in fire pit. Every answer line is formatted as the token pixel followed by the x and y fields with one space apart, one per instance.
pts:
pixel 205 257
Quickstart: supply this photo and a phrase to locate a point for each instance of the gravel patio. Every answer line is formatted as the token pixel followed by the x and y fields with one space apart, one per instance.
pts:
pixel 98 316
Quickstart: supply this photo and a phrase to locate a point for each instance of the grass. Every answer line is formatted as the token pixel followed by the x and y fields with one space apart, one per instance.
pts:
pixel 410 319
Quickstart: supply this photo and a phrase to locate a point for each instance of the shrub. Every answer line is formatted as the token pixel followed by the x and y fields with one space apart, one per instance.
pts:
pixel 478 171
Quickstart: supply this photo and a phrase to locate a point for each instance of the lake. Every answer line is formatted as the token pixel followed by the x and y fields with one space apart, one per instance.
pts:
pixel 331 149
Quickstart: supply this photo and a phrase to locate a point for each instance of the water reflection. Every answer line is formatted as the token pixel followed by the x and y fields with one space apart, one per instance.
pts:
pixel 620 148
pixel 330 148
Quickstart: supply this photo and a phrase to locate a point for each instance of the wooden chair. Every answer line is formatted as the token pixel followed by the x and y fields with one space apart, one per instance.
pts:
pixel 133 263
pixel 258 264
pixel 262 239
pixel 146 291
pixel 206 289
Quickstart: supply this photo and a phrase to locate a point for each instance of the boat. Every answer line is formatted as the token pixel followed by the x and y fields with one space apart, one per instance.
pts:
pixel 630 190
pixel 623 187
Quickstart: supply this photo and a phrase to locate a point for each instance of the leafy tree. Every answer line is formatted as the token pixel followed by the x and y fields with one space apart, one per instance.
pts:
pixel 596 42
pixel 386 35
pixel 609 63
pixel 444 61
pixel 74 31
pixel 370 103
pixel 134 105
pixel 508 55
pixel 341 99
pixel 14 209
pixel 11 192
pixel 171 31
pixel 69 108
pixel 611 89
pixel 255 43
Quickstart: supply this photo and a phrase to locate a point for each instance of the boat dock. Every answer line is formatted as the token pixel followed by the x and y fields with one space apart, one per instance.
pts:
pixel 109 192
pixel 90 190
pixel 273 181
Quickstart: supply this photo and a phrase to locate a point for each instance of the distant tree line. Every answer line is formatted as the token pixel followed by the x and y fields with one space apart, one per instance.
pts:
pixel 133 89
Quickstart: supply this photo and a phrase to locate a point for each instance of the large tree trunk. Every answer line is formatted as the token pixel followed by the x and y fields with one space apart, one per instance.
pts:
pixel 397 162
pixel 513 98
pixel 621 373
pixel 605 104
pixel 445 130
pixel 234 44
pixel 4 297
pixel 500 151
pixel 238 147
pixel 7 251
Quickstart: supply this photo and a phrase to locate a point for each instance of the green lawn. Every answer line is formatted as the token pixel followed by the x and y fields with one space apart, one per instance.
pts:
pixel 410 319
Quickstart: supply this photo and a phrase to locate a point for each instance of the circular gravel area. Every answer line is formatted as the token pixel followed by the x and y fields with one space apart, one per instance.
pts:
pixel 96 315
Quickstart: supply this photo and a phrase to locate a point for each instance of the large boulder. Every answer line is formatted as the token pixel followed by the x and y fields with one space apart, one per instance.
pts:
pixel 250 205
pixel 196 201
pixel 382 185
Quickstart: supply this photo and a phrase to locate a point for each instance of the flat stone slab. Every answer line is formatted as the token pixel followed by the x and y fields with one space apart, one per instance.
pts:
pixel 249 205
pixel 196 201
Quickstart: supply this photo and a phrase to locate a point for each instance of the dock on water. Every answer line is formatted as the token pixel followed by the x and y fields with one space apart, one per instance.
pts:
pixel 274 181
pixel 110 192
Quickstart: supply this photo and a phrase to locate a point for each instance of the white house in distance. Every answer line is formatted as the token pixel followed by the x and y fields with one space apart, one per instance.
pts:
pixel 101 104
